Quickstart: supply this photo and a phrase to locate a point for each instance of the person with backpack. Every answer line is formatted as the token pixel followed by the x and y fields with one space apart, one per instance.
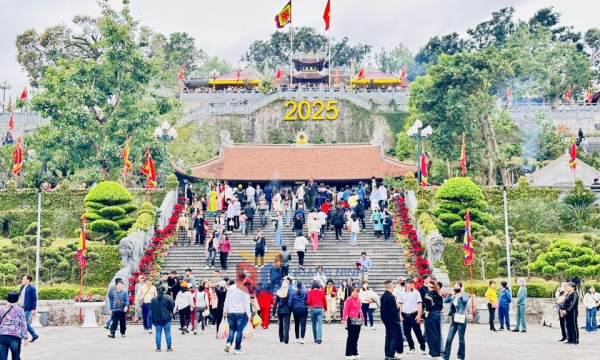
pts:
pixel 337 219
pixel 285 261
pixel 360 213
pixel 249 211
pixel 387 226
pixel 377 220
pixel 283 311
pixel 298 224
pixel 13 327
pixel 297 303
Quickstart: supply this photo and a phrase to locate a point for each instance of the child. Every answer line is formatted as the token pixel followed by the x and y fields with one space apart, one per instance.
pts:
pixel 243 218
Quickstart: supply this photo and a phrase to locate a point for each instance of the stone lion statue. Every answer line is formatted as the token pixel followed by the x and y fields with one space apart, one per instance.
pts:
pixel 435 245
pixel 131 249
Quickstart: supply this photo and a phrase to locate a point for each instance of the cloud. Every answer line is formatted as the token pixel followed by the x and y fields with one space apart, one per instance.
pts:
pixel 227 27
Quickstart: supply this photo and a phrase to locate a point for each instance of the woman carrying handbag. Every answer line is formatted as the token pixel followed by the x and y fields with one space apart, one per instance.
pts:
pixel 458 320
pixel 353 318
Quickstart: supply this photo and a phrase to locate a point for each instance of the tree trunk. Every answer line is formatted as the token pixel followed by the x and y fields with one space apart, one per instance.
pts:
pixel 489 172
pixel 449 168
pixel 494 142
pixel 482 269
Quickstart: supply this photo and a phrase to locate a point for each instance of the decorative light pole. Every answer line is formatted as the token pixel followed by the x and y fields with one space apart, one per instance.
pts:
pixel 214 74
pixel 4 86
pixel 165 133
pixel 414 132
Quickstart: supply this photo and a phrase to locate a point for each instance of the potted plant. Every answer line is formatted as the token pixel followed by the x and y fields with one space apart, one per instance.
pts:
pixel 88 303
pixel 131 312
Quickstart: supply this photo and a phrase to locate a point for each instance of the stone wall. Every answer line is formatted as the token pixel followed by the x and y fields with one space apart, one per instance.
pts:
pixel 533 313
pixel 64 312
pixel 267 125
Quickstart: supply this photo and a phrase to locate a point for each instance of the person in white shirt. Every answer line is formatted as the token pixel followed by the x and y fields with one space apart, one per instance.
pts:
pixel 237 311
pixel 300 194
pixel 591 300
pixel 202 305
pixel 322 217
pixel 184 303
pixel 410 315
pixel 382 196
pixel 320 276
pixel 300 248
pixel 228 192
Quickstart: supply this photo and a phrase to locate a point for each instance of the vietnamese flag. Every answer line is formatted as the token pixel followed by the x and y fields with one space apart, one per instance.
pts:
pixel 24 93
pixel 11 122
pixel 278 76
pixel 149 171
pixel 18 158
pixel 573 155
pixel 361 74
pixel 326 15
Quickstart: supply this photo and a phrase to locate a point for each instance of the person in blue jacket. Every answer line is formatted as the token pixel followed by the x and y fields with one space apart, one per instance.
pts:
pixel 297 303
pixel 361 192
pixel 269 196
pixel 28 301
pixel 504 300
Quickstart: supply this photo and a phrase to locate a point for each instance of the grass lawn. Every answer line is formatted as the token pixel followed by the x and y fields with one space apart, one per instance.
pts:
pixel 531 280
pixel 58 242
pixel 576 238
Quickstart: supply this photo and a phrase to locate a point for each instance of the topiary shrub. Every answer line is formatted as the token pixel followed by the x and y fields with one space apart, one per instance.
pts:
pixel 171 182
pixel 94 205
pixel 455 196
pixel 104 226
pixel 129 208
pixel 109 193
pixel 410 183
pixel 111 212
pixel 107 205
pixel 125 223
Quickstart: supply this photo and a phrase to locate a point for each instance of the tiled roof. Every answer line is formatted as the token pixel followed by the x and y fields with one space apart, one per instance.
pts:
pixel 283 162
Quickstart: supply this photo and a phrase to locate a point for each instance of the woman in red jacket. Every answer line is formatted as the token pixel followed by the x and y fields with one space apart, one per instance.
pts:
pixel 353 312
pixel 265 301
pixel 318 305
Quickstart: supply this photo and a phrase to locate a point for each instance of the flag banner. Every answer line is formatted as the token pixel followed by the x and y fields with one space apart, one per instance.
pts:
pixel 81 250
pixel 463 157
pixel 237 78
pixel 182 73
pixel 285 16
pixel 423 168
pixel 326 15
pixel 278 76
pixel 361 74
pixel 468 241
pixel 24 93
pixel 573 155
pixel 11 122
pixel 568 94
pixel 590 93
pixel 126 157
pixel 18 157
pixel 508 95
pixel 149 171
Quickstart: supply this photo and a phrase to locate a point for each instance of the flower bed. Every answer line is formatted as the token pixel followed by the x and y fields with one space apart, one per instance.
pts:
pixel 89 298
pixel 406 235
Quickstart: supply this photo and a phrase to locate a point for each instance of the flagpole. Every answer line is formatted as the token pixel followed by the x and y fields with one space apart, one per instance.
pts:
pixel 472 290
pixel 37 246
pixel 291 51
pixel 329 25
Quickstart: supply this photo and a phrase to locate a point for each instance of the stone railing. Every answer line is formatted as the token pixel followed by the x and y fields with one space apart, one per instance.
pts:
pixel 24 118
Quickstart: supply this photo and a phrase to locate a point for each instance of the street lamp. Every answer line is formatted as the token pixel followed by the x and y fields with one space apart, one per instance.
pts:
pixel 214 74
pixel 414 132
pixel 4 86
pixel 165 133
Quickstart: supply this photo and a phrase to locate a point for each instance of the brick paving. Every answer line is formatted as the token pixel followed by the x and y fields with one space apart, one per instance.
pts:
pixel 75 343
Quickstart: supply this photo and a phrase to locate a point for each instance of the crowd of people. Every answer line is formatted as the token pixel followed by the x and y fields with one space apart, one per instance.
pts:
pixel 6 140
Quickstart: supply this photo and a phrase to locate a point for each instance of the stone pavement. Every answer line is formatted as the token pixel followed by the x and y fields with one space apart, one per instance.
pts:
pixel 75 343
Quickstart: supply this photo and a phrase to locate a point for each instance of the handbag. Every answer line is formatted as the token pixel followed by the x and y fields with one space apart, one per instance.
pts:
pixel 231 223
pixel 373 305
pixel 460 318
pixel 206 312
pixel 356 321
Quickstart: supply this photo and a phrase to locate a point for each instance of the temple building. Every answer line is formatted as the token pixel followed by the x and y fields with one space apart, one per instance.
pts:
pixel 310 69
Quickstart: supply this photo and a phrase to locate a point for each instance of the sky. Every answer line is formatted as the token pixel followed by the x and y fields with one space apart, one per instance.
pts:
pixel 226 28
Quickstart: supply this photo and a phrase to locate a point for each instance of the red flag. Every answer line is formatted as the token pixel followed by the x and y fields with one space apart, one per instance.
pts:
pixel 182 73
pixel 423 169
pixel 278 76
pixel 11 122
pixel 326 15
pixel 573 155
pixel 237 79
pixel 126 157
pixel 508 95
pixel 18 158
pixel 24 93
pixel 149 171
pixel 463 157
pixel 81 251
pixel 590 93
pixel 468 240
pixel 361 74
pixel 284 16
pixel 568 94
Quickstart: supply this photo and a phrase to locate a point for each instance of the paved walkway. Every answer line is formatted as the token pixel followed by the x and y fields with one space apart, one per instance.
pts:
pixel 75 343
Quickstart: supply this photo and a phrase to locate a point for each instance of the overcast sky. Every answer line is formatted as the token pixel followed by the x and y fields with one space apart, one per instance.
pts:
pixel 227 27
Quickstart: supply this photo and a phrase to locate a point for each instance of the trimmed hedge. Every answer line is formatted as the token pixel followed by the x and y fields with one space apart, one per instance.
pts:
pixel 109 193
pixel 111 211
pixel 56 292
pixel 104 226
pixel 533 290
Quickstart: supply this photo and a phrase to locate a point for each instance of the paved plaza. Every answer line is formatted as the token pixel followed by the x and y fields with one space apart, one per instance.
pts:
pixel 76 343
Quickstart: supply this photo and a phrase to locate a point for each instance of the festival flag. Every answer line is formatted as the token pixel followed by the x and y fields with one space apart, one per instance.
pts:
pixel 573 155
pixel 237 79
pixel 24 93
pixel 148 170
pixel 18 158
pixel 326 15
pixel 468 241
pixel 278 76
pixel 126 157
pixel 285 16
pixel 568 94
pixel 182 73
pixel 508 96
pixel 361 74
pixel 590 93
pixel 403 74
pixel 11 122
pixel 423 168
pixel 81 250
pixel 463 157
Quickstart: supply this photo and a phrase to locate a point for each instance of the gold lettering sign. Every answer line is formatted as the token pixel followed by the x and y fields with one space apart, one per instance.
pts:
pixel 304 110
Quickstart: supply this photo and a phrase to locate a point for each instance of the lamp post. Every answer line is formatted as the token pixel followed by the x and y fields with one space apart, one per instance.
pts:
pixel 414 132
pixel 165 133
pixel 4 86
pixel 507 238
pixel 214 74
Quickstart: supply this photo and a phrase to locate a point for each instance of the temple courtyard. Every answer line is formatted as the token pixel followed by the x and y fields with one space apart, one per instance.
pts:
pixel 75 343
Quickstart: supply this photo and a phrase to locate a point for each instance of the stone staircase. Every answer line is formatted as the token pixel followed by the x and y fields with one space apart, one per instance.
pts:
pixel 338 258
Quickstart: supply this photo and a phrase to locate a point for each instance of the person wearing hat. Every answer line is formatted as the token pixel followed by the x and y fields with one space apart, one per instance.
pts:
pixel 521 306
pixel 145 294
pixel 119 304
pixel 184 303
pixel 411 308
pixel 13 327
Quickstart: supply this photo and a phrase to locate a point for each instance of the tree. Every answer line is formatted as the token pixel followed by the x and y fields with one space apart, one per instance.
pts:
pixel 579 210
pixel 525 248
pixel 212 63
pixel 495 31
pixel 563 260
pixel 449 44
pixel 95 103
pixel 592 41
pixel 194 144
pixel 6 270
pixel 50 264
pixel 392 62
pixel 107 205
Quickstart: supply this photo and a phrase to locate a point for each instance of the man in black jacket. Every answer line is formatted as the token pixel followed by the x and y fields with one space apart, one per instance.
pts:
pixel 162 307
pixel 569 310
pixel 391 319
pixel 337 219
pixel 249 212
pixel 311 190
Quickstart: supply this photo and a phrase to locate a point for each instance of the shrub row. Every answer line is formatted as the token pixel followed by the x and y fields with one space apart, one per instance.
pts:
pixel 55 292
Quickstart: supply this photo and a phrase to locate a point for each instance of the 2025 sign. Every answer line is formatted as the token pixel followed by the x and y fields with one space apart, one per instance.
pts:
pixel 304 110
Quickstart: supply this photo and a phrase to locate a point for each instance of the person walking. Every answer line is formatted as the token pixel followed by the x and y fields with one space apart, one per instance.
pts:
pixel 387 226
pixel 279 229
pixel 286 204
pixel 263 207
pixel 311 190
pixel 259 249
pixel 251 195
pixel 434 303
pixel 492 305
pixel 298 224
pixel 410 315
pixel 364 264
pixel 591 301
pixel 322 217
pixel 314 228
pixel 391 320
pixel 210 251
pixel 521 306
pixel 268 192
pixel 458 322
pixel 249 211
pixel 286 257
pixel 504 300
pixel 224 250
pixel 119 304
pixel 212 202
pixel 344 293
pixel 217 310
pixel 275 275
pixel 276 202
pixel 145 295
pixel 184 304
pixel 353 317
pixel 317 302
pixel 569 310
pixel 353 228
pixel 13 327
pixel 283 312
pixel 162 306
pixel 377 221
pixel 200 226
pixel 331 295
pixel 201 304
pixel 28 302
pixel 265 302
pixel 337 220
pixel 370 302
pixel 237 311
pixel 360 213
pixel 374 196
pixel 237 211
pixel 230 217
pixel 297 303
pixel 300 247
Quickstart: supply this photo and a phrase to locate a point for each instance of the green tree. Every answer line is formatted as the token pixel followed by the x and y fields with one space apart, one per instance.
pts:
pixel 107 205
pixel 194 144
pixel 579 210
pixel 392 62
pixel 495 31
pixel 563 259
pixel 449 44
pixel 525 248
pixel 212 63
pixel 592 41
pixel 6 270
